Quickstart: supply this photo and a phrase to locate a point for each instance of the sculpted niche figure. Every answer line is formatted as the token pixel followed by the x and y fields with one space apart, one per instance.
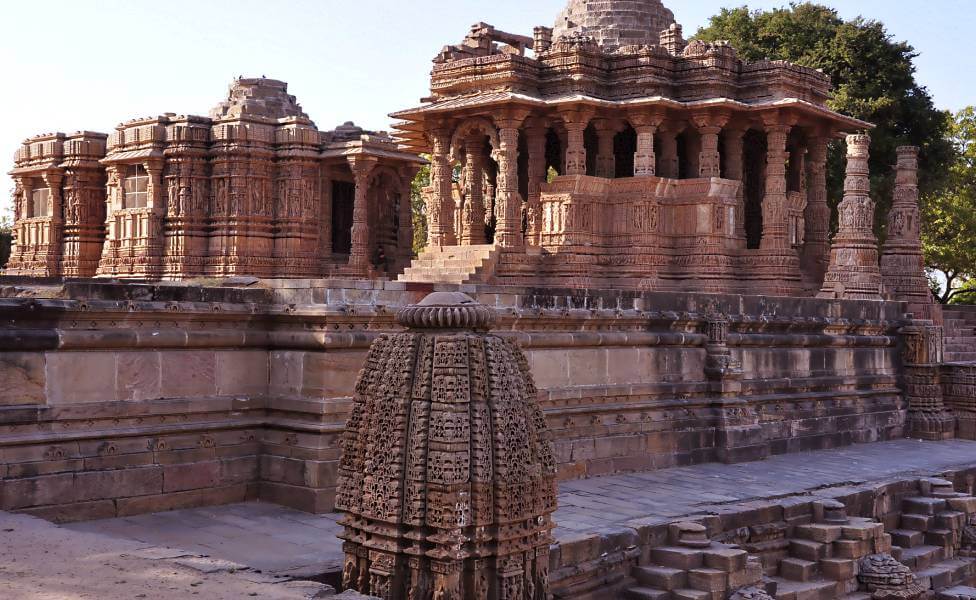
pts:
pixel 447 475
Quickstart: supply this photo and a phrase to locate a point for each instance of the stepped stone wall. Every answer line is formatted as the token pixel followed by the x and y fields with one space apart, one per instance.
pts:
pixel 122 399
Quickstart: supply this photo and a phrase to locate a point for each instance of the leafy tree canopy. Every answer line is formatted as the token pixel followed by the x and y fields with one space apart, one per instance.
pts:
pixel 6 238
pixel 873 79
pixel 949 218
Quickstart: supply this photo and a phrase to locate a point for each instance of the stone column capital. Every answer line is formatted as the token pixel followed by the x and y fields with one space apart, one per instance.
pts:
pixel 362 166
pixel 710 121
pixel 646 118
pixel 577 117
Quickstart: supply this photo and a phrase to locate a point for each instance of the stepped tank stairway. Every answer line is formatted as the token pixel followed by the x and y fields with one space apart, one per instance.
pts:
pixel 453 264
pixel 960 334
pixel 832 557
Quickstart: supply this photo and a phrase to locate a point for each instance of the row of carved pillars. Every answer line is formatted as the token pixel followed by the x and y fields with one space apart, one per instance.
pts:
pixel 716 140
pixel 360 254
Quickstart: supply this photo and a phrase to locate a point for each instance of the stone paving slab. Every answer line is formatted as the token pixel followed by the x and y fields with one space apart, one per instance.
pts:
pixel 41 561
pixel 274 539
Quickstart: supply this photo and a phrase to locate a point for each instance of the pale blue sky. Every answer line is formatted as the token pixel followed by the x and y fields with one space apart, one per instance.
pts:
pixel 90 64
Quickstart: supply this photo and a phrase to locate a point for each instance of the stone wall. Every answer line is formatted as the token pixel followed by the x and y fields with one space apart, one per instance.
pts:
pixel 120 399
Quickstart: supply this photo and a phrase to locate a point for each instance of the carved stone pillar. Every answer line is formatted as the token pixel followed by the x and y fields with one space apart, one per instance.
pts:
pixel 155 243
pixel 473 214
pixel 928 417
pixel 645 160
pixel 735 170
pixel 669 152
pixel 816 217
pixel 853 273
pixel 440 214
pixel 508 231
pixel 536 146
pixel 405 217
pixel 775 235
pixel 54 249
pixel 709 127
pixel 359 254
pixel 575 123
pixel 21 202
pixel 902 263
pixel 606 163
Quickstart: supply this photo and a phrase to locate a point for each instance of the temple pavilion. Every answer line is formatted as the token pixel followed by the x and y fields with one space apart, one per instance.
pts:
pixel 607 151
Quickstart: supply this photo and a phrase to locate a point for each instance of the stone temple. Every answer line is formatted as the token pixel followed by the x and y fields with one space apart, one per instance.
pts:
pixel 254 189
pixel 631 362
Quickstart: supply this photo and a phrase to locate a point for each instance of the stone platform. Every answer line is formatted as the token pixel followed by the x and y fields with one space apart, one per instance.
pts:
pixel 608 520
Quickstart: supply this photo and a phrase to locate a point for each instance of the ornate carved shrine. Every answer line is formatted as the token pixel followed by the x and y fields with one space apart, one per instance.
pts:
pixel 253 189
pixel 609 152
pixel 447 475
pixel 59 205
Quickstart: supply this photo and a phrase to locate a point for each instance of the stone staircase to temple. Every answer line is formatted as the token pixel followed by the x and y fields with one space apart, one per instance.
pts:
pixel 453 264
pixel 960 333
pixel 823 560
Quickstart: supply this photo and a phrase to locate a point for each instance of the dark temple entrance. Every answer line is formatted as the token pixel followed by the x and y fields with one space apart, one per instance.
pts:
pixel 343 198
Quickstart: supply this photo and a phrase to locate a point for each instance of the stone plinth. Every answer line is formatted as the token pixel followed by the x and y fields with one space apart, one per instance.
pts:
pixel 447 475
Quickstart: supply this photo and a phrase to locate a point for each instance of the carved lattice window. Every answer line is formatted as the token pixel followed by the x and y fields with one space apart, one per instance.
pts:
pixel 136 186
pixel 40 199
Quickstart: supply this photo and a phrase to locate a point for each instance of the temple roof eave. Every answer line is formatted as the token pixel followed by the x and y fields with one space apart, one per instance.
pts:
pixel 357 149
pixel 131 155
pixel 33 169
pixel 411 119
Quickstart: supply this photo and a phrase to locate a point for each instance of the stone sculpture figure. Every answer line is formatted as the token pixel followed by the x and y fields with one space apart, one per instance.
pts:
pixel 447 475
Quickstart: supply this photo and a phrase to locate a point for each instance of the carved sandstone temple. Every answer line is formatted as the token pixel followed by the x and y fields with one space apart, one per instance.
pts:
pixel 254 189
pixel 618 155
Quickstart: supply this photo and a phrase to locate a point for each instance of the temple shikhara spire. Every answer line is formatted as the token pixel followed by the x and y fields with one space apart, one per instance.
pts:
pixel 448 477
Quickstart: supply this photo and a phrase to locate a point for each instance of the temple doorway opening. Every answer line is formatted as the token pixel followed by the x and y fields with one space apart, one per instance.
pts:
pixel 343 198
pixel 754 151
pixel 624 148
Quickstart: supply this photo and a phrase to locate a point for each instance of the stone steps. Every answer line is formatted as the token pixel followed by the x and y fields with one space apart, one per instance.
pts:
pixel 807 590
pixel 957 593
pixel 947 573
pixel 960 335
pixel 452 264
pixel 646 593
pixel 921 557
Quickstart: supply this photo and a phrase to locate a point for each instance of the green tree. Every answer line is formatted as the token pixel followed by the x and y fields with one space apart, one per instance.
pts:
pixel 873 78
pixel 949 218
pixel 6 238
pixel 419 208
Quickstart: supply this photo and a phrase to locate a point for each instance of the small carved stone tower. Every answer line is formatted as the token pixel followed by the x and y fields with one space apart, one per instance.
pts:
pixel 902 263
pixel 854 273
pixel 447 475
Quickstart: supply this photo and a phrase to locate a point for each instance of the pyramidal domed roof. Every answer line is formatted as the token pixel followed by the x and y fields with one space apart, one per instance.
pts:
pixel 258 97
pixel 615 23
